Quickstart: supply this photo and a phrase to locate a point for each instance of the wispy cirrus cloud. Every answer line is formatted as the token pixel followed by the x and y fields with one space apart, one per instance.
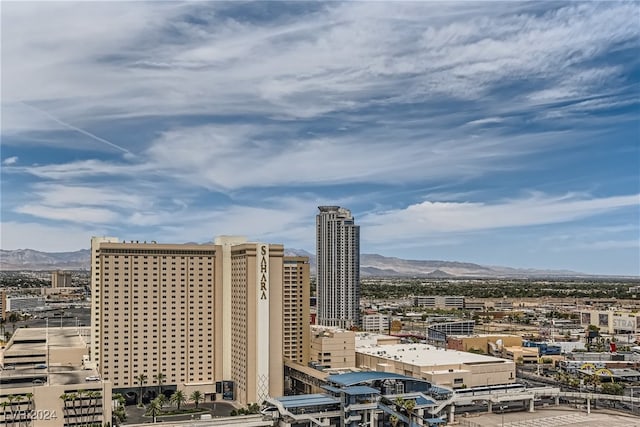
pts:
pixel 429 217
pixel 424 118
pixel 341 57
pixel 78 214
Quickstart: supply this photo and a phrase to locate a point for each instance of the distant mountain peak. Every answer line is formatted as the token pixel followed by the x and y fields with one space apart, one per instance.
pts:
pixel 370 265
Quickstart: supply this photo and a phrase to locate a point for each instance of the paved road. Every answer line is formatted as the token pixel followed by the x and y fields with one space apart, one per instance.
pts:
pixel 136 415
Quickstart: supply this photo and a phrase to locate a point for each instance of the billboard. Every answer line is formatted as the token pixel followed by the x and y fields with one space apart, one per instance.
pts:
pixel 624 323
pixel 227 389
pixel 585 318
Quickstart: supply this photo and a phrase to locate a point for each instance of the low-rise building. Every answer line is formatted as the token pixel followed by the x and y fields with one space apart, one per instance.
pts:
pixel 332 347
pixel 612 321
pixel 442 302
pixel 375 322
pixel 448 368
pixel 482 343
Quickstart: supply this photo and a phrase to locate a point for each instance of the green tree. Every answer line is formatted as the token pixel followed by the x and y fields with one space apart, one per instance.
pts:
pixel 409 406
pixel 13 319
pixel 612 388
pixel 141 380
pixel 18 401
pixel 9 403
pixel 119 413
pixel 178 398
pixel 160 377
pixel 154 409
pixel 196 397
pixel 162 399
pixel 94 397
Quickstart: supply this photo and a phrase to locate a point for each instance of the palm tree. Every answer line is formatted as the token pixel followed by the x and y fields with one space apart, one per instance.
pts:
pixel 65 397
pixel 160 380
pixel 410 405
pixel 140 379
pixel 94 397
pixel 18 399
pixel 154 408
pixel 119 414
pixel 14 318
pixel 29 397
pixel 178 398
pixel 74 398
pixel 5 405
pixel 399 402
pixel 162 399
pixel 196 397
pixel 10 400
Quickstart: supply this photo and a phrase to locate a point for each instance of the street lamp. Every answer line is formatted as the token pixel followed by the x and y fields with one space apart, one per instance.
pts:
pixel 502 408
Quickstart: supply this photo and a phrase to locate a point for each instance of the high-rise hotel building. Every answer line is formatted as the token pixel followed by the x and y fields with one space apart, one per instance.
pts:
pixel 221 313
pixel 338 267
pixel 296 293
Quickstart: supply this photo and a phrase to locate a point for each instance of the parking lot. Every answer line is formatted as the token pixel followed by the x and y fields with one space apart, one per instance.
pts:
pixel 552 418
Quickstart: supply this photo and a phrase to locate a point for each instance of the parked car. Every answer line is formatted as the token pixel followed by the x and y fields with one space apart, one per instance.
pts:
pixel 41 366
pixel 92 378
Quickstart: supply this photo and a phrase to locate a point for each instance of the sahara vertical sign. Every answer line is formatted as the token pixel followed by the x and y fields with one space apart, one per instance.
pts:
pixel 262 319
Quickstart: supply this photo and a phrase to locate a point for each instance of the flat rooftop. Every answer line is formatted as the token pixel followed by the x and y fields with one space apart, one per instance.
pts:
pixel 35 338
pixel 427 355
pixel 58 375
pixel 28 349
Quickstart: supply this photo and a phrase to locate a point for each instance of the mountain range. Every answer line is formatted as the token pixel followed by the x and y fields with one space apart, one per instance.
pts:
pixel 371 265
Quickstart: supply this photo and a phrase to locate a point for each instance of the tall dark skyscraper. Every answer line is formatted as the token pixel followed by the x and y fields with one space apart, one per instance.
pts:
pixel 338 267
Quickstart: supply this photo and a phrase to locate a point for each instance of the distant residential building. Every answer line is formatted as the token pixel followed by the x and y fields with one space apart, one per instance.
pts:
pixel 332 348
pixel 60 279
pixel 438 332
pixel 338 267
pixel 375 322
pixel 439 302
pixel 474 305
pixel 503 305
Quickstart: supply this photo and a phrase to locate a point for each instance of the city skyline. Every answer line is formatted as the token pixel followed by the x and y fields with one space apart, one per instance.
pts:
pixel 500 134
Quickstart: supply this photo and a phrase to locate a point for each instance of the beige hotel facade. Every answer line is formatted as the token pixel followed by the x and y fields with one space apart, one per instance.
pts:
pixel 229 311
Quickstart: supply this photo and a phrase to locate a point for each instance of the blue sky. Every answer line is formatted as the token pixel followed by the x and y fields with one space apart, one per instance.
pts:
pixel 499 133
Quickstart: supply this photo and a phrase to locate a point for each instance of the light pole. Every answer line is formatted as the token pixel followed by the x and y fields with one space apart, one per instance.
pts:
pixel 502 408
